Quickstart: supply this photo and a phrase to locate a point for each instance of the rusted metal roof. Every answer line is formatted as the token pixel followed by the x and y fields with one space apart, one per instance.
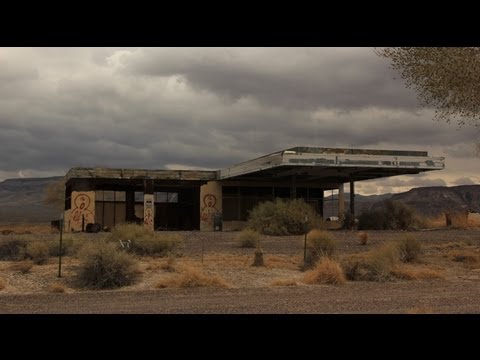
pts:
pixel 106 173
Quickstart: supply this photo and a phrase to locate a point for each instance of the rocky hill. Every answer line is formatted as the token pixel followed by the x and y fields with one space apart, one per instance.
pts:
pixel 21 201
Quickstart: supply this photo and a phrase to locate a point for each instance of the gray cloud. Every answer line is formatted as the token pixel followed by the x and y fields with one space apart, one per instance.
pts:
pixel 209 108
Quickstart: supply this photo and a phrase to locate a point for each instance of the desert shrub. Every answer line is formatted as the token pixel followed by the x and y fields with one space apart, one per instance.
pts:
pixel 258 257
pixel 70 246
pixel 327 271
pixel 409 249
pixel 56 288
pixel 12 248
pixel 105 266
pixel 144 241
pixel 282 217
pixel 192 277
pixel 38 252
pixel 375 265
pixel 392 215
pixel 363 238
pixel 248 238
pixel 23 267
pixel 319 244
pixel 3 283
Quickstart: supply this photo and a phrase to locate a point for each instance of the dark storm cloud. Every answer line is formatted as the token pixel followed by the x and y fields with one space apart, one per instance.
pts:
pixel 210 108
pixel 288 77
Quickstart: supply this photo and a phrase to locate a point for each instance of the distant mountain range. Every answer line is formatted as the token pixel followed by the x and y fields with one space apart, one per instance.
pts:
pixel 21 200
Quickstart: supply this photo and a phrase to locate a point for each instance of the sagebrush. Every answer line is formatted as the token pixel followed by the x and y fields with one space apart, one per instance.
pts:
pixel 143 241
pixel 283 217
pixel 104 266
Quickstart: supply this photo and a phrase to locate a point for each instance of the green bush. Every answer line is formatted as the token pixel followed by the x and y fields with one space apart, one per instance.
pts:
pixel 282 217
pixel 248 238
pixel 144 241
pixel 105 266
pixel 393 215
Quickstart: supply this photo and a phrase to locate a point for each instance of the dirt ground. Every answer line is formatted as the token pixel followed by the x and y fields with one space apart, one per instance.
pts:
pixel 452 253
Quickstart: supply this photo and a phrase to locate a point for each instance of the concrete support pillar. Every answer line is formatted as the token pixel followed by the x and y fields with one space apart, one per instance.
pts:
pixel 210 204
pixel 82 210
pixel 341 201
pixel 352 204
pixel 148 205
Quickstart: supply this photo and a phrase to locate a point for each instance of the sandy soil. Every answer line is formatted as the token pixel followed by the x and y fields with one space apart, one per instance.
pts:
pixel 251 289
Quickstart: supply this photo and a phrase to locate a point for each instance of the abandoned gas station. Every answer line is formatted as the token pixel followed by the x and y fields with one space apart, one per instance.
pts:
pixel 192 200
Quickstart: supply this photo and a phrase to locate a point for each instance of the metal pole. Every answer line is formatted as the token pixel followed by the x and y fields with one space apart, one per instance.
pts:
pixel 60 249
pixel 83 220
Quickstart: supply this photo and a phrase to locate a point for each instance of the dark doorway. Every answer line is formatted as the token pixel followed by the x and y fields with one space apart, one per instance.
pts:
pixel 177 208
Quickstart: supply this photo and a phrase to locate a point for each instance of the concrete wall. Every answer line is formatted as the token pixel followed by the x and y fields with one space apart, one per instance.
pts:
pixel 83 205
pixel 210 204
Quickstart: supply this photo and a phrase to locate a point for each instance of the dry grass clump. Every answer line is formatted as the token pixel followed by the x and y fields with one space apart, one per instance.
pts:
pixel 258 259
pixel 144 241
pixel 375 265
pixel 190 277
pixel 409 249
pixel 409 272
pixel 170 265
pixel 3 283
pixel 363 237
pixel 248 238
pixel 12 248
pixel 327 271
pixel 468 256
pixel 105 266
pixel 319 244
pixel 283 282
pixel 24 267
pixel 38 251
pixel 56 288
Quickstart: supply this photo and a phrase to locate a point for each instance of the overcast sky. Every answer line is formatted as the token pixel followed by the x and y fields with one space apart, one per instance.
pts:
pixel 176 108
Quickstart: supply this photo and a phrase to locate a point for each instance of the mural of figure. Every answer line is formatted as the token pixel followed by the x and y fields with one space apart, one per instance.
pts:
pixel 148 219
pixel 148 210
pixel 209 209
pixel 82 203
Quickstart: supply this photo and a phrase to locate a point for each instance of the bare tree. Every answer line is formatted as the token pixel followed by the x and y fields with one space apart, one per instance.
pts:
pixel 444 78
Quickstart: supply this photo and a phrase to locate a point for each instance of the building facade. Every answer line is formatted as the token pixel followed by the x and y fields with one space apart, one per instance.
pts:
pixel 190 199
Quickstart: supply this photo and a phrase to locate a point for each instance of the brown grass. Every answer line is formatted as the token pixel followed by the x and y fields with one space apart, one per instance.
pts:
pixel 21 229
pixel 283 282
pixel 328 271
pixel 190 277
pixel 3 283
pixel 363 238
pixel 468 256
pixel 248 238
pixel 56 288
pixel 374 265
pixel 169 265
pixel 23 267
pixel 411 272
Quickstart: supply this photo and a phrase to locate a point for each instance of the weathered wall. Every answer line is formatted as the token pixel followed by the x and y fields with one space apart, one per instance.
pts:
pixel 210 204
pixel 83 204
